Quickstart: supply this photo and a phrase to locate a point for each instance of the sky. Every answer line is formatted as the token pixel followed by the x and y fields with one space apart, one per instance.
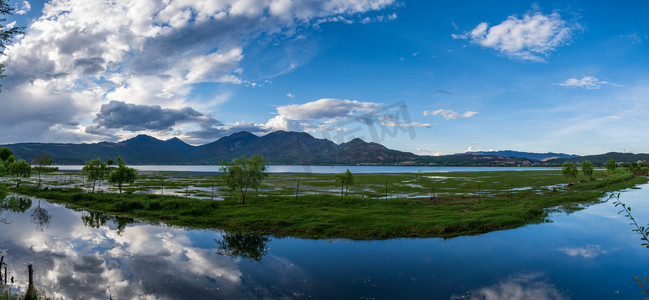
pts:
pixel 428 77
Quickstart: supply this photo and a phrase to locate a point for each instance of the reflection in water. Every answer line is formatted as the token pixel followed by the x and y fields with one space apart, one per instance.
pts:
pixel 246 246
pixel 588 251
pixel 85 255
pixel 40 217
pixel 16 204
pixel 523 286
pixel 97 219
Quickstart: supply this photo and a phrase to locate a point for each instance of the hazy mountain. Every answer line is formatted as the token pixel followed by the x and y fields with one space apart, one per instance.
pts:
pixel 279 147
pixel 600 159
pixel 528 155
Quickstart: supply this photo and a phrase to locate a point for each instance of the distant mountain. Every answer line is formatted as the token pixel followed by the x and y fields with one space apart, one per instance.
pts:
pixel 600 159
pixel 528 155
pixel 279 147
pixel 282 147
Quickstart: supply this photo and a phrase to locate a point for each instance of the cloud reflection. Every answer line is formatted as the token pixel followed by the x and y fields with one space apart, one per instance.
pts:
pixel 522 286
pixel 588 251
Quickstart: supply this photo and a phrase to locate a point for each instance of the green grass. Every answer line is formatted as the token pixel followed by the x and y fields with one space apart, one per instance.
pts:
pixel 506 200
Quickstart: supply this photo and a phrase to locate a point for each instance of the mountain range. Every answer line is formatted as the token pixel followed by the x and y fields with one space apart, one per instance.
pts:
pixel 282 147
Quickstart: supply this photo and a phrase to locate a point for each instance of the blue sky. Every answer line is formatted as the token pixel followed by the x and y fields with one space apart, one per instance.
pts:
pixel 428 77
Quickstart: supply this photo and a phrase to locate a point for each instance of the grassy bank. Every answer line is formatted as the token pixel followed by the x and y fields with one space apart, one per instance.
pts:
pixel 503 201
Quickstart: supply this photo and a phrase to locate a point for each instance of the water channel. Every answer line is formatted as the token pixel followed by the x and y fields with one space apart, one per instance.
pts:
pixel 589 254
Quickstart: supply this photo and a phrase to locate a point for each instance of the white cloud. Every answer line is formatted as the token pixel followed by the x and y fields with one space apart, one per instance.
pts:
pixel 589 251
pixel 586 82
pixel 523 286
pixel 23 8
pixel 80 54
pixel 450 114
pixel 326 108
pixel 290 95
pixel 530 38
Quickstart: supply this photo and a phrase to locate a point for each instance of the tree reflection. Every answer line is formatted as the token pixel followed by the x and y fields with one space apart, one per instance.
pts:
pixel 16 204
pixel 97 219
pixel 40 217
pixel 246 246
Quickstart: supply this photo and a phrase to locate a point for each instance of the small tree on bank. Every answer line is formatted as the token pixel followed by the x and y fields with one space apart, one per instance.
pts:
pixel 570 171
pixel 122 174
pixel 611 165
pixel 345 179
pixel 587 169
pixel 42 162
pixel 94 171
pixel 243 173
pixel 20 169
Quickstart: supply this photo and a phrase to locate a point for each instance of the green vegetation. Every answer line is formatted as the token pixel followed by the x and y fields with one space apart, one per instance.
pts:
pixel 569 171
pixel 345 179
pixel 243 173
pixel 611 165
pixel 42 162
pixel 507 199
pixel 121 175
pixel 19 169
pixel 94 171
pixel 587 169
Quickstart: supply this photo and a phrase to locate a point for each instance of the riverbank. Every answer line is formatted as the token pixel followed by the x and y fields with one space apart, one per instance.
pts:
pixel 359 217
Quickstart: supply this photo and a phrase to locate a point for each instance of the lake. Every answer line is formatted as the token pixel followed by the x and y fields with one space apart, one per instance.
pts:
pixel 589 254
pixel 322 169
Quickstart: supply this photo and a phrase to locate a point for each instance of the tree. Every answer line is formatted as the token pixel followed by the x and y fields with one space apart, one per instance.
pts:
pixel 5 152
pixel 570 171
pixel 20 169
pixel 345 179
pixel 6 33
pixel 3 169
pixel 587 169
pixel 42 161
pixel 122 174
pixel 611 165
pixel 244 173
pixel 11 159
pixel 94 171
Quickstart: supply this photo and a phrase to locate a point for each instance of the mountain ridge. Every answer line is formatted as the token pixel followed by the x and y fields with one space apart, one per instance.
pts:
pixel 284 147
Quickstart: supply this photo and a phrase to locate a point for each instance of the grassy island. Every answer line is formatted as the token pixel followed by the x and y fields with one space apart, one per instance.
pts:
pixel 454 204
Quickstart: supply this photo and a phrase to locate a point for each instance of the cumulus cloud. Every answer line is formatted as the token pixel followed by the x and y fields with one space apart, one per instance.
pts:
pixel 80 54
pixel 586 82
pixel 450 114
pixel 325 108
pixel 23 8
pixel 132 117
pixel 531 38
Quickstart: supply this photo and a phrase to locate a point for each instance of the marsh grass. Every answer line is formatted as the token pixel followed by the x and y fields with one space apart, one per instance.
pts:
pixel 506 200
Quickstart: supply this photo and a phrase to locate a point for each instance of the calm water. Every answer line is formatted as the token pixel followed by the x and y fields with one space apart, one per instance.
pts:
pixel 326 169
pixel 590 254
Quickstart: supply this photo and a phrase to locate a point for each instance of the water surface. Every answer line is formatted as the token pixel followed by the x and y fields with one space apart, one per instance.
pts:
pixel 590 254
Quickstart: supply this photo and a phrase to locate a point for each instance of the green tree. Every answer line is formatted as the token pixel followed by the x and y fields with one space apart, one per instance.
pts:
pixel 20 169
pixel 345 179
pixel 243 173
pixel 587 169
pixel 3 169
pixel 570 171
pixel 42 161
pixel 5 152
pixel 611 165
pixel 6 33
pixel 94 171
pixel 122 174
pixel 10 160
